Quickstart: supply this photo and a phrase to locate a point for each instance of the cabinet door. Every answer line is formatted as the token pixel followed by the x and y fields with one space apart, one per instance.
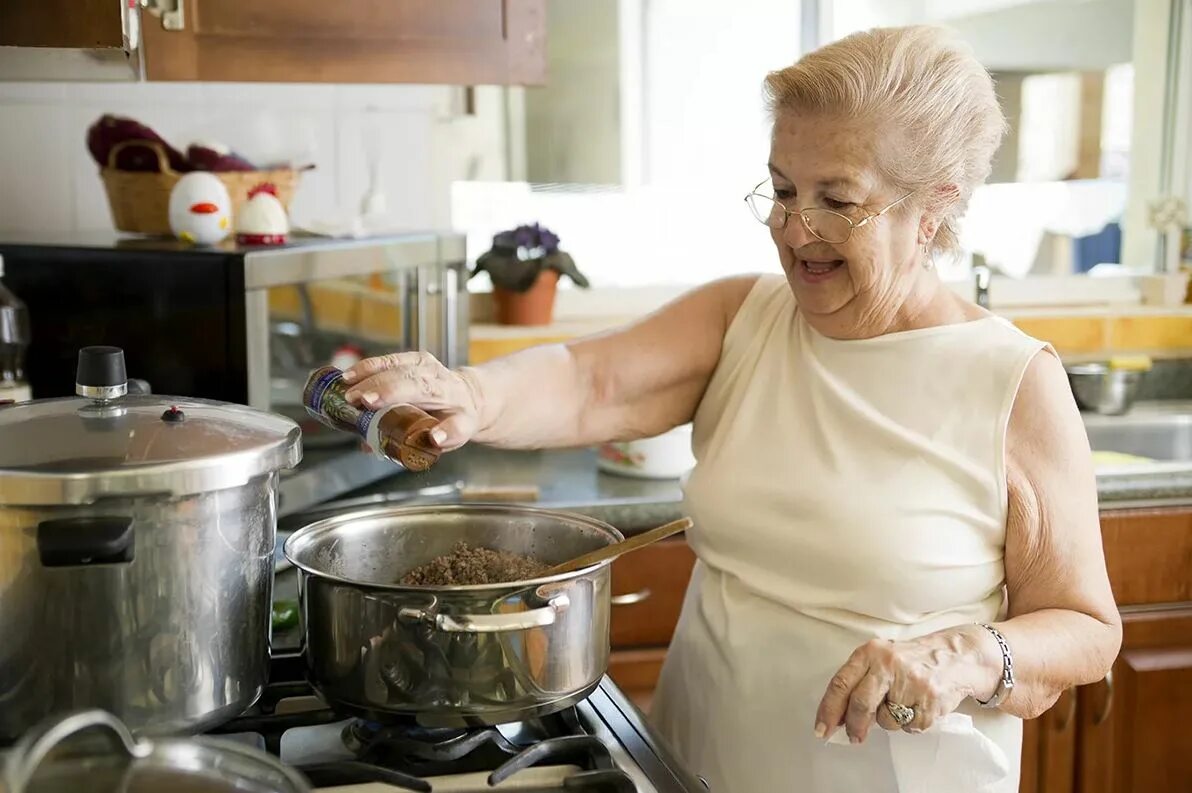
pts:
pixel 648 590
pixel 1049 749
pixel 1149 555
pixel 636 673
pixel 70 24
pixel 1135 728
pixel 462 42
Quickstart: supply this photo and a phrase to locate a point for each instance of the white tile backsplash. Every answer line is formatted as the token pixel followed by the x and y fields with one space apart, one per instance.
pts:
pixel 49 182
pixel 398 145
pixel 35 169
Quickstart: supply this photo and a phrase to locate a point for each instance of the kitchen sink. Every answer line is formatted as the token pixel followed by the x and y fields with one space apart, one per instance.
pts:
pixel 1151 435
pixel 1144 455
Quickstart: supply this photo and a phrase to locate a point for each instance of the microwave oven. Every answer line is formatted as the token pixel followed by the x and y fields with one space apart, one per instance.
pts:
pixel 243 324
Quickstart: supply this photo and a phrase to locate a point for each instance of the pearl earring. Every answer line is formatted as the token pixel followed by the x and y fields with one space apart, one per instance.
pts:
pixel 928 258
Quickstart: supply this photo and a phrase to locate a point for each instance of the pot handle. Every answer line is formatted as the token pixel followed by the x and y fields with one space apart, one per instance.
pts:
pixel 492 623
pixel 28 755
pixel 74 542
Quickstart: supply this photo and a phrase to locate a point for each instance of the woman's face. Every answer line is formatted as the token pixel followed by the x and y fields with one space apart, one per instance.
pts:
pixel 865 286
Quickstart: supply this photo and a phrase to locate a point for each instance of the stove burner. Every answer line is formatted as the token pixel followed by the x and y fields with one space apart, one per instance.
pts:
pixel 581 750
pixel 408 756
pixel 354 772
pixel 461 753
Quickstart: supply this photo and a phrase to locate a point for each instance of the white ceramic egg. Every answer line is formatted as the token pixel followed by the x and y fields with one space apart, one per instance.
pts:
pixel 200 209
pixel 262 219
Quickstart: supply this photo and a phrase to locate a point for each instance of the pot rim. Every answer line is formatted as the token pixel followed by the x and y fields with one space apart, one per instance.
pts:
pixel 327 525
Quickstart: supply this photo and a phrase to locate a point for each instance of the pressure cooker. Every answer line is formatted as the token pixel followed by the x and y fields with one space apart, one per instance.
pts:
pixel 136 553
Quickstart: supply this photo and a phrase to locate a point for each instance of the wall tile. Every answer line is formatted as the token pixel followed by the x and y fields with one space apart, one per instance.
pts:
pixel 32 93
pixel 321 97
pixel 402 143
pixel 34 169
pixel 391 97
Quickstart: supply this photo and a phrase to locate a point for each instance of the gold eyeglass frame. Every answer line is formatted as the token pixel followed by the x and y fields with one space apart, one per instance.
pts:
pixel 853 225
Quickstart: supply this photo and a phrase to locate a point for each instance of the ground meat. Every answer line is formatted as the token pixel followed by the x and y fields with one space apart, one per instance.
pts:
pixel 467 565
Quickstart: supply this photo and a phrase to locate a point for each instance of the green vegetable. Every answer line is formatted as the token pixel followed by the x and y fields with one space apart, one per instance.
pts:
pixel 285 614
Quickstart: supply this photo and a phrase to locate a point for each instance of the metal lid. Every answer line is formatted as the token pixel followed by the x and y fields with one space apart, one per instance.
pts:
pixel 77 450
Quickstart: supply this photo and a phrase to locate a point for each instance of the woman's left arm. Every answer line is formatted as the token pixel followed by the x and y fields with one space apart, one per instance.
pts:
pixel 1062 627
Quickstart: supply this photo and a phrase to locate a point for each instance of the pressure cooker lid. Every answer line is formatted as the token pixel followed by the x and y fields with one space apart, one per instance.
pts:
pixel 107 442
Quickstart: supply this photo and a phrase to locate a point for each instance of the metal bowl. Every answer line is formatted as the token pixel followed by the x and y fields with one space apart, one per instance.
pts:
pixel 1099 389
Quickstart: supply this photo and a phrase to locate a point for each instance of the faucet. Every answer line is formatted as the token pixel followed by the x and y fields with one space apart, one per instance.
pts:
pixel 982 274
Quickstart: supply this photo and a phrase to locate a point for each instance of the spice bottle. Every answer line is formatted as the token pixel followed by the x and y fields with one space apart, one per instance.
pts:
pixel 400 433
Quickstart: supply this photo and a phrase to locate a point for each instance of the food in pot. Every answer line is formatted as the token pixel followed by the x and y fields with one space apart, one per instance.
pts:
pixel 466 565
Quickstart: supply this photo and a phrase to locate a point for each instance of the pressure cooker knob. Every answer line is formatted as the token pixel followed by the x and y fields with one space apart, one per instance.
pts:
pixel 101 373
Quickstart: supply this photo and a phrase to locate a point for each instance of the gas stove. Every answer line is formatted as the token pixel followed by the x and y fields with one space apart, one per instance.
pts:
pixel 601 745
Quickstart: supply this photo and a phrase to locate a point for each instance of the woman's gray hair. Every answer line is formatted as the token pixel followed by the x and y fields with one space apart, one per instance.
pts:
pixel 923 90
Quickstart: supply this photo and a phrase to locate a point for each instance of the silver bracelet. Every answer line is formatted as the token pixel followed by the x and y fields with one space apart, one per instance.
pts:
pixel 1007 680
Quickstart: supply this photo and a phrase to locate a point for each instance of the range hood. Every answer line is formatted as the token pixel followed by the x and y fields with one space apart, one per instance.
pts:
pixel 77 40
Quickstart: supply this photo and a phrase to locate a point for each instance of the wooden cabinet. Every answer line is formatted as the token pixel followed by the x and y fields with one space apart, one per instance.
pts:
pixel 1132 732
pixel 1049 748
pixel 463 42
pixel 1136 726
pixel 648 590
pixel 71 24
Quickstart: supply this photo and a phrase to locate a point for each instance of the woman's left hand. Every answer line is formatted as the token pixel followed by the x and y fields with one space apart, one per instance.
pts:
pixel 932 674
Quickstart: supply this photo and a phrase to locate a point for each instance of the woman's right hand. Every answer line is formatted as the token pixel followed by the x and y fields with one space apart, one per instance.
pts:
pixel 418 379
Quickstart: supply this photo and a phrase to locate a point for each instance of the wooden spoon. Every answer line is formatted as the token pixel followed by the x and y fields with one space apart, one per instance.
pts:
pixel 609 552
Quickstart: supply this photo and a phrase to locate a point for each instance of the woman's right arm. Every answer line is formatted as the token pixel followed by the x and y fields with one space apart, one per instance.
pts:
pixel 634 382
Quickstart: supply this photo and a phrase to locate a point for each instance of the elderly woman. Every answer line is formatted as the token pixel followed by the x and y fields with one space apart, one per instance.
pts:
pixel 895 507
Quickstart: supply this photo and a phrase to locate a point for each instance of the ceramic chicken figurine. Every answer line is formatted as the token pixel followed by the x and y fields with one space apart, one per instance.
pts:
pixel 262 219
pixel 200 209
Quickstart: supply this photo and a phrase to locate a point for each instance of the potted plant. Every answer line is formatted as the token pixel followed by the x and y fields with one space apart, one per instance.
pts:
pixel 524 265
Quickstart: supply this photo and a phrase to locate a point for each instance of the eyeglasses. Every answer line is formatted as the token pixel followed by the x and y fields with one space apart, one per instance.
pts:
pixel 824 224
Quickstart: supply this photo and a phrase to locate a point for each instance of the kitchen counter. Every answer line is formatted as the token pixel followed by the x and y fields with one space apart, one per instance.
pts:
pixel 562 480
pixel 570 480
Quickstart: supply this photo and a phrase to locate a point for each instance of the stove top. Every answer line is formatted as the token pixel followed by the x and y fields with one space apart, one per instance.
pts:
pixel 601 745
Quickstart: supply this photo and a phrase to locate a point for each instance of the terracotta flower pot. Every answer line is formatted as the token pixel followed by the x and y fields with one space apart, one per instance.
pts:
pixel 535 306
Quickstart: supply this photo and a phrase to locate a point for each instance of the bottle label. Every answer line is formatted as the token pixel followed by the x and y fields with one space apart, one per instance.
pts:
pixel 364 423
pixel 372 433
pixel 315 393
pixel 324 399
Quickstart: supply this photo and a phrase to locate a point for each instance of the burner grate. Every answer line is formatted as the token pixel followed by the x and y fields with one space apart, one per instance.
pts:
pixel 406 755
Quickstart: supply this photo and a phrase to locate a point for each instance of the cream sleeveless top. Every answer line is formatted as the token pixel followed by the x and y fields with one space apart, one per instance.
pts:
pixel 844 491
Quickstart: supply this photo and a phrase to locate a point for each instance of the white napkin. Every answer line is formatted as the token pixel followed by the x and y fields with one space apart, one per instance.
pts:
pixel 952 756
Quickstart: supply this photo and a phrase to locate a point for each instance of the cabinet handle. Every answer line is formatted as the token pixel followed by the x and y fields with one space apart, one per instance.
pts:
pixel 631 598
pixel 1069 712
pixel 1106 708
pixel 171 12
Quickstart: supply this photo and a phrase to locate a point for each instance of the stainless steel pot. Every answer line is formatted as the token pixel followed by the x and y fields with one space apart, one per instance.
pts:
pixel 55 756
pixel 451 656
pixel 136 557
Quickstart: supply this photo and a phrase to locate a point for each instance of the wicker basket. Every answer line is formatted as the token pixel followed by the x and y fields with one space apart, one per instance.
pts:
pixel 140 200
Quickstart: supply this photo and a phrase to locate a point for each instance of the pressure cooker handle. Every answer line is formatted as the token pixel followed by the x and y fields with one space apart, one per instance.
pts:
pixel 74 542
pixel 492 623
pixel 29 753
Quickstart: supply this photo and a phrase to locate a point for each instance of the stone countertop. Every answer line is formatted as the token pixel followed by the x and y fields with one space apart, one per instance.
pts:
pixel 566 479
pixel 571 480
